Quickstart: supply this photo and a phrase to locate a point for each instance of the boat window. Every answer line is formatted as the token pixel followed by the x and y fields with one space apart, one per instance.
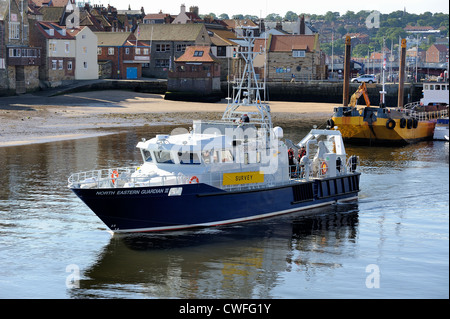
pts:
pixel 188 158
pixel 438 87
pixel 147 156
pixel 431 87
pixel 426 87
pixel 216 157
pixel 164 157
pixel 226 156
pixel 206 156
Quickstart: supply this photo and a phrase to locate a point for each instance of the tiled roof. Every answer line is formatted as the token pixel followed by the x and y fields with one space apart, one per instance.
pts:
pixel 112 38
pixel 285 43
pixel 192 54
pixel 44 26
pixel 52 14
pixel 441 47
pixel 170 32
pixel 222 37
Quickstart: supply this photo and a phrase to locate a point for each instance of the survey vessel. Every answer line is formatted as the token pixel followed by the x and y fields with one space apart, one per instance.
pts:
pixel 236 169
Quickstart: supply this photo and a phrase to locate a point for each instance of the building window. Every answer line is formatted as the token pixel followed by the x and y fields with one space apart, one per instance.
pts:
pixel 298 53
pixel 14 30
pixel 162 63
pixel 69 65
pixel 146 52
pixel 127 50
pixel 67 45
pixel 198 53
pixel 85 65
pixel 137 51
pixel 110 51
pixel 99 51
pixel 181 47
pixel 15 53
pixel 162 47
pixel 60 64
pixel 222 51
pixel 54 64
pixel 52 47
pixel 85 50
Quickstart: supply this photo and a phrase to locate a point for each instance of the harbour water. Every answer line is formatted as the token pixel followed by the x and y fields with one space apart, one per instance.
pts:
pixel 391 243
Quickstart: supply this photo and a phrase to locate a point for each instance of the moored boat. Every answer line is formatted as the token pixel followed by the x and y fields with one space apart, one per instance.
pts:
pixel 236 169
pixel 399 125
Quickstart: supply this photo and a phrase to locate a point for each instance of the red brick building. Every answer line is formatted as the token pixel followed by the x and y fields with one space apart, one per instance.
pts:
pixel 437 53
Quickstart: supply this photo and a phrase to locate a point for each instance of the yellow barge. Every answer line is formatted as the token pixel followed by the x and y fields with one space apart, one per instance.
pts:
pixel 370 125
pixel 375 125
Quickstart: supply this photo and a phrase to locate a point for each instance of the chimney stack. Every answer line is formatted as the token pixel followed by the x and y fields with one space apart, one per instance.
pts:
pixel 302 24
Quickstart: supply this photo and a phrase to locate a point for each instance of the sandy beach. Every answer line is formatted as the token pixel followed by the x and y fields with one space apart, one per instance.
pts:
pixel 34 118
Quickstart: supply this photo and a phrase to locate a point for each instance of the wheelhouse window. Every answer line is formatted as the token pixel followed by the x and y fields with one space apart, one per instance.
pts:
pixel 147 156
pixel 164 157
pixel 188 158
pixel 222 156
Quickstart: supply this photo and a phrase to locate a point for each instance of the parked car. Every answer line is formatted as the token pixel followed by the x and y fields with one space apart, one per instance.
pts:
pixel 370 78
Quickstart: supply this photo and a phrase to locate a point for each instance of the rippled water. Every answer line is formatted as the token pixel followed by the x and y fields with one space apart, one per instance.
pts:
pixel 392 243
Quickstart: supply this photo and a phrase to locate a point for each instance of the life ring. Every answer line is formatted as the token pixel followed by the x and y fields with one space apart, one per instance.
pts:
pixel 194 179
pixel 324 168
pixel 390 124
pixel 402 122
pixel 415 123
pixel 114 175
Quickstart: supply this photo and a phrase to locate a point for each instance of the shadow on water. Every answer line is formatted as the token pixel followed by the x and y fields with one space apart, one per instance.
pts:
pixel 198 263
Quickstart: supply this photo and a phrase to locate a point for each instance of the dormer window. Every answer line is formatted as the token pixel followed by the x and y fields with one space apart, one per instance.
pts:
pixel 198 53
pixel 298 53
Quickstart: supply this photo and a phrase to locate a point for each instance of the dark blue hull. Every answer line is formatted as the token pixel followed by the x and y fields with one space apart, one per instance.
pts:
pixel 200 205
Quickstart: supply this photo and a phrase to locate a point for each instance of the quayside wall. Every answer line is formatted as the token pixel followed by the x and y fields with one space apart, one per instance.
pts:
pixel 326 92
pixel 322 92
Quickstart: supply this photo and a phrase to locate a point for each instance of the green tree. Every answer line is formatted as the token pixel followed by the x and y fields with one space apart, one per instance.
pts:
pixel 291 16
pixel 274 17
pixel 331 16
pixel 238 17
pixel 360 50
pixel 224 16
pixel 349 16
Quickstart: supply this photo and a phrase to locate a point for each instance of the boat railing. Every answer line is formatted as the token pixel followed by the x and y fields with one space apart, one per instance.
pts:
pixel 102 178
pixel 123 177
pixel 322 169
pixel 425 115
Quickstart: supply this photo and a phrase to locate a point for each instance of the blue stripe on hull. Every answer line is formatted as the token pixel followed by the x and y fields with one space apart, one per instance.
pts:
pixel 151 209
